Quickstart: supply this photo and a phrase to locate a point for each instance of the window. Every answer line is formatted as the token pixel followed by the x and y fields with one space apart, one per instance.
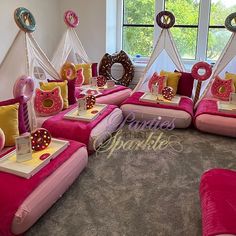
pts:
pixel 199 30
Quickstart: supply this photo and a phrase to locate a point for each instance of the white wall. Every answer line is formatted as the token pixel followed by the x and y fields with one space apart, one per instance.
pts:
pixel 46 14
pixel 92 27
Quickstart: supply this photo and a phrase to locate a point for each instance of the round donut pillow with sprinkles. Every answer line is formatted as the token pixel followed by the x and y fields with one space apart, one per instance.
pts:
pixel 40 139
pixel 168 93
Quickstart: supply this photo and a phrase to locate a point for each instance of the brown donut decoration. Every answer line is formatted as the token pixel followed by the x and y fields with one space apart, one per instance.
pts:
pixel 168 93
pixel 101 81
pixel 90 102
pixel 40 139
pixel 122 58
pixel 165 19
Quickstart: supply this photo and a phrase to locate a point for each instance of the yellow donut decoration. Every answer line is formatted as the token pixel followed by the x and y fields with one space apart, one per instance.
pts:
pixel 68 71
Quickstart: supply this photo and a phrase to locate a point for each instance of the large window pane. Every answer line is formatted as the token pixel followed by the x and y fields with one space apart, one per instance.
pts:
pixel 220 9
pixel 186 11
pixel 186 41
pixel 139 11
pixel 138 40
pixel 217 40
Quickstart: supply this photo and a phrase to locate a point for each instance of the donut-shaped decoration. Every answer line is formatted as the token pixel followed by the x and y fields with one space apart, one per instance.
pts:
pixel 47 103
pixel 71 19
pixel 24 86
pixel 201 66
pixel 228 22
pixel 68 71
pixel 165 19
pixel 90 102
pixel 25 19
pixel 157 80
pixel 222 89
pixel 40 139
pixel 122 58
pixel 2 139
pixel 101 81
pixel 80 78
pixel 168 93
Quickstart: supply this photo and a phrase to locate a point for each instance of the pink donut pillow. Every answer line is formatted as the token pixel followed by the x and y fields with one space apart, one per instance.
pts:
pixel 2 140
pixel 222 89
pixel 48 103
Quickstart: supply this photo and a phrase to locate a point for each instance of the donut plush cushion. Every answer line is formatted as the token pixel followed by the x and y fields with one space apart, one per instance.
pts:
pixel 222 89
pixel 63 87
pixel 87 71
pixel 172 79
pixel 9 123
pixel 48 103
pixel 21 118
pixel 185 85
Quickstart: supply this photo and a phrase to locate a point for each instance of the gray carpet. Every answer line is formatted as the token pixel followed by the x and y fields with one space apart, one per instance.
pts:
pixel 140 192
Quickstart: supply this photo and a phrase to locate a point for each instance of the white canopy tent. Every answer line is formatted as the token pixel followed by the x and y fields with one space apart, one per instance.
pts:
pixel 70 49
pixel 165 56
pixel 24 57
pixel 226 62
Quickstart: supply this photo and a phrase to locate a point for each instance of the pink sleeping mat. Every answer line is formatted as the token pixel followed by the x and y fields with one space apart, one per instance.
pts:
pixel 181 116
pixel 218 202
pixel 44 195
pixel 208 119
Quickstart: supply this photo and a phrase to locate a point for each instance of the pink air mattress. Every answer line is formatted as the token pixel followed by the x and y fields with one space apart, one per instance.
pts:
pixel 218 202
pixel 209 119
pixel 101 131
pixel 49 191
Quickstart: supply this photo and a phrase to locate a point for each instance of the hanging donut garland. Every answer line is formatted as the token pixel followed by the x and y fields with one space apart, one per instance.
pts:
pixel 40 139
pixel 68 71
pixel 122 58
pixel 24 86
pixel 228 22
pixel 165 19
pixel 200 77
pixel 71 19
pixel 90 101
pixel 25 20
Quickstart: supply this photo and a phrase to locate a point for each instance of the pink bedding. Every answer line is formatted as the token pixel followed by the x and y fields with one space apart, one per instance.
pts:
pixel 71 129
pixel 49 191
pixel 14 189
pixel 218 202
pixel 186 104
pixel 209 106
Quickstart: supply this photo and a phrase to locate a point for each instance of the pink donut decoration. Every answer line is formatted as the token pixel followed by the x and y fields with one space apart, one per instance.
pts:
pixel 201 66
pixel 40 139
pixel 71 19
pixel 101 81
pixel 24 86
pixel 2 139
pixel 222 89
pixel 47 103
pixel 159 80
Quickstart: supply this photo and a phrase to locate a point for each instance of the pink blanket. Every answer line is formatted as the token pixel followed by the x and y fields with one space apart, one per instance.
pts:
pixel 186 104
pixel 118 88
pixel 208 106
pixel 218 202
pixel 73 129
pixel 14 189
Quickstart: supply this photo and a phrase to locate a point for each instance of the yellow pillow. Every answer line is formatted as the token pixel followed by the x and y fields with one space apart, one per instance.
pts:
pixel 87 71
pixel 63 87
pixel 231 76
pixel 172 79
pixel 9 123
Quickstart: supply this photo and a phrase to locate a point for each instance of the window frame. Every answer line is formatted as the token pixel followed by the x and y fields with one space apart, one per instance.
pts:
pixel 202 34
